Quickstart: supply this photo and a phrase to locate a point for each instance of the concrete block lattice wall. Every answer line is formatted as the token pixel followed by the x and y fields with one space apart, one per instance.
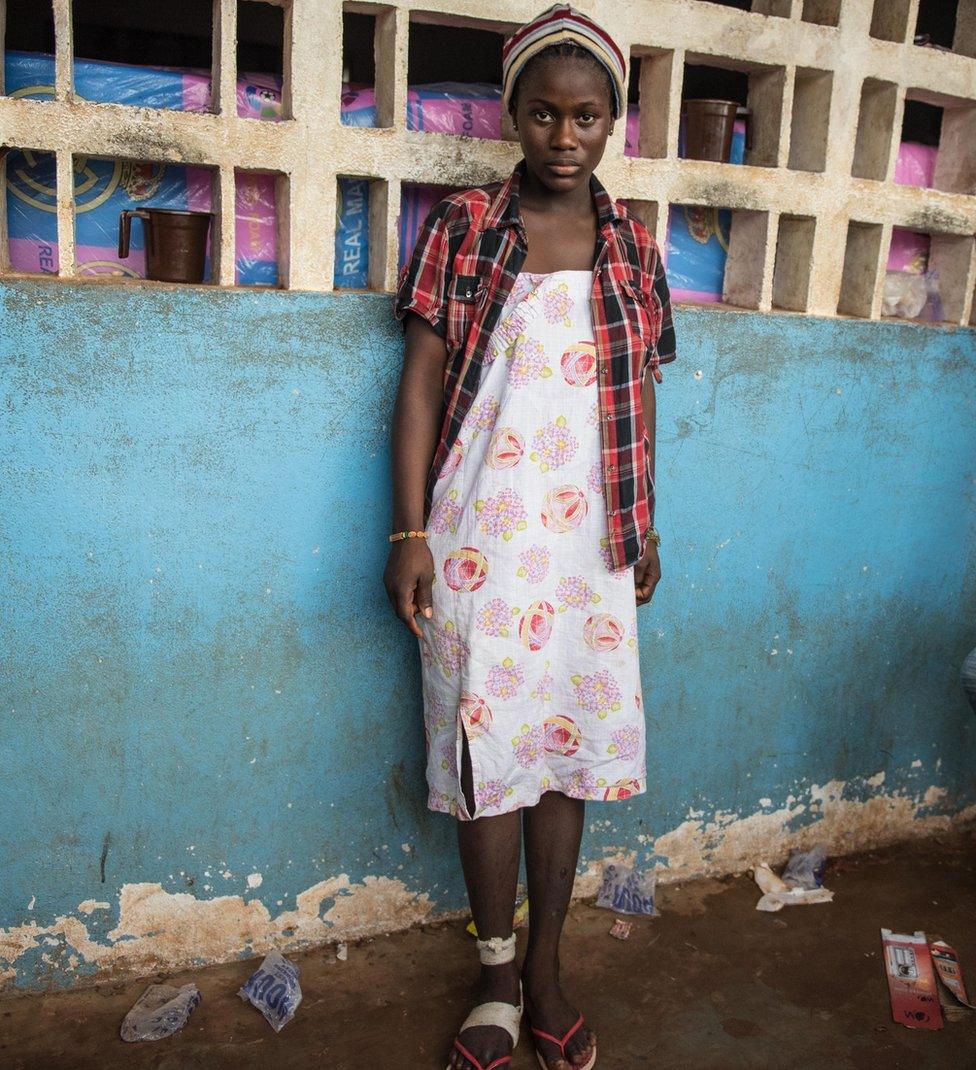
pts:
pixel 813 208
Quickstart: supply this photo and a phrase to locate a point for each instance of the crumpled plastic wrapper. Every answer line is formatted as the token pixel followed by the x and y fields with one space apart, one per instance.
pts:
pixel 274 989
pixel 160 1011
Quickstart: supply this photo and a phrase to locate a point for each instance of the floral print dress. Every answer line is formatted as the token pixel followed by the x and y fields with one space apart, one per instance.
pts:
pixel 531 651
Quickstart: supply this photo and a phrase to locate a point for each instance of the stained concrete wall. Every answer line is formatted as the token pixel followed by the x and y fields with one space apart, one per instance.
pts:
pixel 210 721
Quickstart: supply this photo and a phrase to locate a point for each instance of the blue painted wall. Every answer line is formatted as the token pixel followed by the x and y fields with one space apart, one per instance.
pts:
pixel 194 498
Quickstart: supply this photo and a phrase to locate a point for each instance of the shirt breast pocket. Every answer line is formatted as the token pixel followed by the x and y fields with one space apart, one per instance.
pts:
pixel 466 297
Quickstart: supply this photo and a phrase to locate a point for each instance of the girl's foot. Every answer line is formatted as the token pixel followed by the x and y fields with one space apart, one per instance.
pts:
pixel 489 1042
pixel 548 1009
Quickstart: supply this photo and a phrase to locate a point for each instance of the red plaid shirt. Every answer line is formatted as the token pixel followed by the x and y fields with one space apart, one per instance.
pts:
pixel 470 249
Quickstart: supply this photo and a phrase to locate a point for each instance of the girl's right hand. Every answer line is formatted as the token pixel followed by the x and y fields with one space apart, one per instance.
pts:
pixel 408 579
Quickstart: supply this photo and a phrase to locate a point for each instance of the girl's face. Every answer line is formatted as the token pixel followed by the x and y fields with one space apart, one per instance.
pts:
pixel 563 115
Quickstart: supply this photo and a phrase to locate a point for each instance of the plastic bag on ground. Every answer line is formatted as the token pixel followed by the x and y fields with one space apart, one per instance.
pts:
pixel 160 1011
pixel 805 868
pixel 628 891
pixel 274 989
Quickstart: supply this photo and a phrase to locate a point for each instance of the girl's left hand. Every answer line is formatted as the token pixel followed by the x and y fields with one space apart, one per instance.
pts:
pixel 647 573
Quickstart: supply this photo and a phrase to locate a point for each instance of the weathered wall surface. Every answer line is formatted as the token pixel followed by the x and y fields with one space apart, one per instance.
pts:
pixel 210 731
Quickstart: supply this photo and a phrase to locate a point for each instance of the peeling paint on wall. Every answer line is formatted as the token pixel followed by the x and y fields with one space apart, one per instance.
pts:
pixel 171 930
pixel 731 843
pixel 159 929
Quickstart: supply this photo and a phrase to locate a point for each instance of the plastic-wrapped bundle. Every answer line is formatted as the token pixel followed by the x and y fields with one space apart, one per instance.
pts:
pixel 417 201
pixel 915 165
pixel 352 233
pixel 104 187
pixel 909 251
pixel 911 290
pixel 471 109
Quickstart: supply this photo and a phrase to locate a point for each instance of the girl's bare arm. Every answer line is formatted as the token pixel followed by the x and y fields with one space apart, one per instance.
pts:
pixel 417 415
pixel 647 571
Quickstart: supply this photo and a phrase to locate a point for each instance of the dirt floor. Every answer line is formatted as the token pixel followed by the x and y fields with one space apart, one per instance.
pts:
pixel 710 984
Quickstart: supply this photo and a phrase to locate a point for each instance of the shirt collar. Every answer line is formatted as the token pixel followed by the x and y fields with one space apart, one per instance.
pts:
pixel 504 210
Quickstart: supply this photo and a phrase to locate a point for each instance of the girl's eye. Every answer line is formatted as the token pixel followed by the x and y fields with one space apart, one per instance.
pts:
pixel 586 119
pixel 542 115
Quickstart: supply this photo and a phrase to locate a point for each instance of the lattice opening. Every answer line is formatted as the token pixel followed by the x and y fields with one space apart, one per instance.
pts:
pixel 950 124
pixel 811 115
pixel 756 86
pixel 104 186
pixel 862 263
pixel 29 27
pixel 648 212
pixel 260 212
pixel 416 200
pixel 260 37
pixel 368 65
pixel 145 33
pixel 28 186
pixel 780 8
pixel 889 20
pixel 794 256
pixel 454 58
pixel 942 259
pixel 353 233
pixel 649 128
pixel 875 122
pixel 822 12
pixel 936 23
pixel 716 255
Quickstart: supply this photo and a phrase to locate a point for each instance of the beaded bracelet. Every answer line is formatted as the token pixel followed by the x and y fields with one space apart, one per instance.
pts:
pixel 408 535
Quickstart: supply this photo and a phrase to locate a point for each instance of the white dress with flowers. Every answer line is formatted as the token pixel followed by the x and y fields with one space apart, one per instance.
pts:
pixel 532 647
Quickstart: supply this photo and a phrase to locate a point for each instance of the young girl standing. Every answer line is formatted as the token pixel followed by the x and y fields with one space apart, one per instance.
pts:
pixel 523 491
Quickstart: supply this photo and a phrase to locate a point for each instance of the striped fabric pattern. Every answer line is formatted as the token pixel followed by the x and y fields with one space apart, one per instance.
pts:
pixel 562 22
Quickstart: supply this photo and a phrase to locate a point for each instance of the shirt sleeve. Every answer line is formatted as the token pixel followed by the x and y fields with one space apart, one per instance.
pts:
pixel 666 349
pixel 423 282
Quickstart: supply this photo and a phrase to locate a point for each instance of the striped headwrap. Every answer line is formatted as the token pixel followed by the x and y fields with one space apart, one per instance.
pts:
pixel 563 22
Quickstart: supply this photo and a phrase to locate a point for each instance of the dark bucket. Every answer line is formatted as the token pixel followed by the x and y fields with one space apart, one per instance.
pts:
pixel 176 242
pixel 708 128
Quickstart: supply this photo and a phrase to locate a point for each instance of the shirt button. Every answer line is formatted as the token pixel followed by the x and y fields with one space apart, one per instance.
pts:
pixel 613 512
pixel 608 417
pixel 611 468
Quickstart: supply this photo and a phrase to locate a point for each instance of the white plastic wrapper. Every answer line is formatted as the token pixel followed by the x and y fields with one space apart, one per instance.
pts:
pixel 274 989
pixel 160 1011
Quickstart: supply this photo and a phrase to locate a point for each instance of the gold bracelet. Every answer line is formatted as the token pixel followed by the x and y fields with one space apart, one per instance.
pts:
pixel 654 536
pixel 408 535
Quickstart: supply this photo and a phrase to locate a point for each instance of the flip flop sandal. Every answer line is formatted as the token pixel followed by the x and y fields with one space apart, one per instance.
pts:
pixel 562 1046
pixel 494 952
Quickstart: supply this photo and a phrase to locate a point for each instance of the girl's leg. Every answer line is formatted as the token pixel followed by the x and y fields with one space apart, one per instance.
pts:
pixel 490 848
pixel 553 831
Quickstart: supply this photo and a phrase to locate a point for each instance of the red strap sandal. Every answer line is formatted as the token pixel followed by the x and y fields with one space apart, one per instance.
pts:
pixel 561 1044
pixel 500 1061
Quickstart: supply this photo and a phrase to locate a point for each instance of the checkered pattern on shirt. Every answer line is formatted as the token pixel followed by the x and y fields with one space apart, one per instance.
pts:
pixel 470 249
